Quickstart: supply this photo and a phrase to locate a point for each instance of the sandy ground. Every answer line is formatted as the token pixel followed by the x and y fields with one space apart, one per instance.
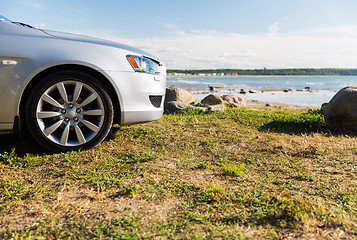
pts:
pixel 255 104
pixel 274 98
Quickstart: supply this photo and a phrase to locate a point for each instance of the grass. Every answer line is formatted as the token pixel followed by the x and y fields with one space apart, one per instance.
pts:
pixel 240 174
pixel 232 170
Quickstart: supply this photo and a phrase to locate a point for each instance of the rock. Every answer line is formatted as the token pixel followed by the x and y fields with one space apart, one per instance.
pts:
pixel 200 105
pixel 242 91
pixel 179 95
pixel 323 107
pixel 212 99
pixel 341 111
pixel 234 101
pixel 269 105
pixel 212 88
pixel 252 91
pixel 176 106
pixel 216 108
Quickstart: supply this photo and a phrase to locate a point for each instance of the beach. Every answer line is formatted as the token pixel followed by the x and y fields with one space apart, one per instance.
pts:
pixel 287 99
pixel 301 91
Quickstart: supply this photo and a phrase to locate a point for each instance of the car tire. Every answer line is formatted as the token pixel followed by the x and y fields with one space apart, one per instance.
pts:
pixel 69 110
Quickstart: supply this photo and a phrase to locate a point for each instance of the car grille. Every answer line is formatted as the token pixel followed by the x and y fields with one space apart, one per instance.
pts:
pixel 156 100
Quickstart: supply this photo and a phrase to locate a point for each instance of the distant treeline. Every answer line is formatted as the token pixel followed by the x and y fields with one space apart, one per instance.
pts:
pixel 290 71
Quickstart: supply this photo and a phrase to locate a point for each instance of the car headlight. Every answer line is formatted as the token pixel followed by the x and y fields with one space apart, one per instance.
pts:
pixel 143 64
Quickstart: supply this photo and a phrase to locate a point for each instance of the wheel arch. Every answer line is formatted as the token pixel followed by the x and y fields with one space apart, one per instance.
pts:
pixel 72 67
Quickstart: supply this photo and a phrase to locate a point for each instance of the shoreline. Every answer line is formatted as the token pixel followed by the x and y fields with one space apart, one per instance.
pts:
pixel 277 90
pixel 172 76
pixel 255 104
pixel 272 98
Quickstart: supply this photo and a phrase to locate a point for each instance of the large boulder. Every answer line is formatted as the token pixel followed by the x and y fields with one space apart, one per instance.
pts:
pixel 341 111
pixel 178 95
pixel 175 106
pixel 216 108
pixel 212 99
pixel 234 101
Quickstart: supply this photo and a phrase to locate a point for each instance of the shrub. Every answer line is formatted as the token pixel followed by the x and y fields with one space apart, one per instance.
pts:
pixel 289 208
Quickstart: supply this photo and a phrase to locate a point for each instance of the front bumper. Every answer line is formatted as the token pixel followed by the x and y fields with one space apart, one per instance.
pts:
pixel 141 95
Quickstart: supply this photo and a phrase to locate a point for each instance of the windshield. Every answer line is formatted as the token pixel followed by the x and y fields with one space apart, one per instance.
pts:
pixel 4 18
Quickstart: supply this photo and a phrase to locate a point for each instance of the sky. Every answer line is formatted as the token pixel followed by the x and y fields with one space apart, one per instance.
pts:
pixel 210 34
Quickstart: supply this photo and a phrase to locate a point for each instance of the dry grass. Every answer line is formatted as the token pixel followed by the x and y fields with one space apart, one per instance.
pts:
pixel 168 179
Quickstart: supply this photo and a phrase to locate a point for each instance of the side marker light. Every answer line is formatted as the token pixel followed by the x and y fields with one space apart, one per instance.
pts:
pixel 9 62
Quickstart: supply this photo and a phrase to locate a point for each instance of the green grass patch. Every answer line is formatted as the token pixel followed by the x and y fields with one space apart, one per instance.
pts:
pixel 233 170
pixel 238 174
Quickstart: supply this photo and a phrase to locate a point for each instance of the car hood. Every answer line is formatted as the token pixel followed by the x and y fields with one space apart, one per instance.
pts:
pixel 81 38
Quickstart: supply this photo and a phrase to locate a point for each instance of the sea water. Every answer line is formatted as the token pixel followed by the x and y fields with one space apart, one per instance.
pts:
pixel 309 91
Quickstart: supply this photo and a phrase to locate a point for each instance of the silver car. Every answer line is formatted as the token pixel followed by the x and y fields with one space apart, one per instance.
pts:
pixel 67 90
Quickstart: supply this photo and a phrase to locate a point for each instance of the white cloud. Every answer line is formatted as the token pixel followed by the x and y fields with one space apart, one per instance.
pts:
pixel 350 30
pixel 274 28
pixel 333 47
pixel 169 26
